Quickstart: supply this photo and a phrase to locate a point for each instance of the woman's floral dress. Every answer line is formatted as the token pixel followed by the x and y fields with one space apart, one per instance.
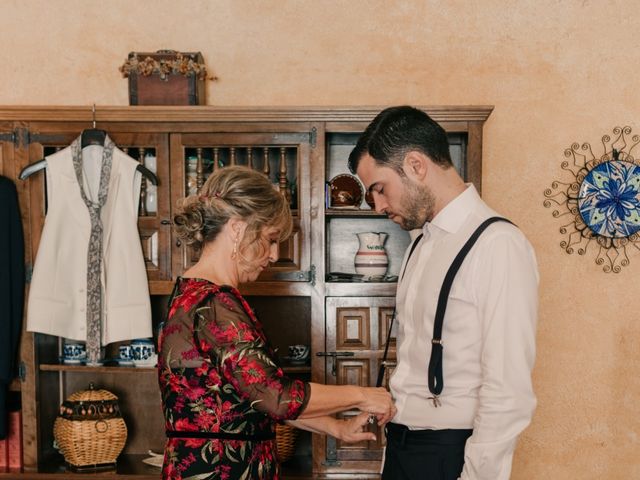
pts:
pixel 217 374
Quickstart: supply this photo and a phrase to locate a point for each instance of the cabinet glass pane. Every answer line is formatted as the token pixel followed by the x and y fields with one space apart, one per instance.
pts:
pixel 339 146
pixel 278 162
pixel 148 206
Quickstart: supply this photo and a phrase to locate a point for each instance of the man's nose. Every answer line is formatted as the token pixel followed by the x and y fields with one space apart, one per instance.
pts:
pixel 380 204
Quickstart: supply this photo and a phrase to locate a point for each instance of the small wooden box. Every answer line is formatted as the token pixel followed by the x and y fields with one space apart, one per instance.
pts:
pixel 169 89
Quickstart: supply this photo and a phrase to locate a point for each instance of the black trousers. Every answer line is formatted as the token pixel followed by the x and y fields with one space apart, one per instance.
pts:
pixel 423 454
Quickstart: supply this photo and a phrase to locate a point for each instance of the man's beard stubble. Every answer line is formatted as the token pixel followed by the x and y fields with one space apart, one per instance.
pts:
pixel 417 206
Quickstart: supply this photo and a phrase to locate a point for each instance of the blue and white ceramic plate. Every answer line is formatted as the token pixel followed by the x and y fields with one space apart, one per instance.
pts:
pixel 609 199
pixel 73 361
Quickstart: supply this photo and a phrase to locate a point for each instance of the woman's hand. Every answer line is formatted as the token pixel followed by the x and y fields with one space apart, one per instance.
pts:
pixel 354 429
pixel 377 401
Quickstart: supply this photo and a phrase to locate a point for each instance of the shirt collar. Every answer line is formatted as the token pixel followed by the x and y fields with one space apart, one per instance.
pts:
pixel 455 213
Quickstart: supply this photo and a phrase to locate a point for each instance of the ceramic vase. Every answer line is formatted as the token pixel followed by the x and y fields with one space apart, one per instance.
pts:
pixel 371 258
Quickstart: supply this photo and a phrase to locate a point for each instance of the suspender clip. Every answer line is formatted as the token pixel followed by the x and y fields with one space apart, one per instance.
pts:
pixel 437 341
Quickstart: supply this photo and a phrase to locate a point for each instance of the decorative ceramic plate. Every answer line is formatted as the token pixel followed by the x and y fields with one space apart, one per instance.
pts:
pixel 609 199
pixel 346 191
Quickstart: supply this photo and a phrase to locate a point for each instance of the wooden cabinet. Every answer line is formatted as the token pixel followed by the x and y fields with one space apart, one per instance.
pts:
pixel 300 149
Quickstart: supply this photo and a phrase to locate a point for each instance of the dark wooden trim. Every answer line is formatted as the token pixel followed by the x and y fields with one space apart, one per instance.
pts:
pixel 474 155
pixel 191 114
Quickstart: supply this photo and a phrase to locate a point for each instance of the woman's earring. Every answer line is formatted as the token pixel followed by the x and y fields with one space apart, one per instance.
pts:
pixel 234 254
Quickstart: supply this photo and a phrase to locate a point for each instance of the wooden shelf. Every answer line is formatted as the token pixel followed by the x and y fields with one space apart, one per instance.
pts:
pixel 332 212
pixel 131 467
pixel 55 367
pixel 289 368
pixel 360 289
pixel 293 289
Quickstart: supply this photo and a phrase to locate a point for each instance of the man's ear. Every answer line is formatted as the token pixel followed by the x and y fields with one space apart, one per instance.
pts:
pixel 416 165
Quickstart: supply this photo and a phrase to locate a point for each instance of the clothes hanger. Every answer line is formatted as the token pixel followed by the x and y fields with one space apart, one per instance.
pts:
pixel 89 136
pixel 92 136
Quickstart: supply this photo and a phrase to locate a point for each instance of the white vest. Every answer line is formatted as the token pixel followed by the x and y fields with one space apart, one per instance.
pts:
pixel 57 295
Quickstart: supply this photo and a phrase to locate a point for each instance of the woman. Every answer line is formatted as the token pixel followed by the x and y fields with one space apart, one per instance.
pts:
pixel 222 391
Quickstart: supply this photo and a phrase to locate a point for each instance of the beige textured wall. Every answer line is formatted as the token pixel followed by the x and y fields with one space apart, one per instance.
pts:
pixel 556 71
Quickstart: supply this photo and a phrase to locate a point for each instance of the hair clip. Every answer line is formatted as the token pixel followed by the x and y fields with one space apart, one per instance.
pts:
pixel 204 197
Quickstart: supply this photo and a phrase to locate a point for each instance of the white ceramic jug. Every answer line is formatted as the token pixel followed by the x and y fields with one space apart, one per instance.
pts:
pixel 371 258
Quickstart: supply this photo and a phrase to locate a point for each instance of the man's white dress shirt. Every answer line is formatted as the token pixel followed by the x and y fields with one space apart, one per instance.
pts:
pixel 488 335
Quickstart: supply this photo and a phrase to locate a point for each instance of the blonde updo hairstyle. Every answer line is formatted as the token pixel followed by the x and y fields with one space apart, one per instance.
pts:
pixel 239 192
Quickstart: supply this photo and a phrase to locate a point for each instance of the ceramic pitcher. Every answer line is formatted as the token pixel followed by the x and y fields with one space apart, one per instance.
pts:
pixel 371 258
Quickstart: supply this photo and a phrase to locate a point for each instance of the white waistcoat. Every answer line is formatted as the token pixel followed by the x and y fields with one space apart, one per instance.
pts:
pixel 57 296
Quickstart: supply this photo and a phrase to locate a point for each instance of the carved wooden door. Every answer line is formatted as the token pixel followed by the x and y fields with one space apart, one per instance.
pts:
pixel 356 332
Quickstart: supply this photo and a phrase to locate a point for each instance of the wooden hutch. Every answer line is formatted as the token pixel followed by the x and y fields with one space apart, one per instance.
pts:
pixel 301 149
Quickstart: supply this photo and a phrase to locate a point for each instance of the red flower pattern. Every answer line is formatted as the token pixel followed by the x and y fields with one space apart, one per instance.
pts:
pixel 218 374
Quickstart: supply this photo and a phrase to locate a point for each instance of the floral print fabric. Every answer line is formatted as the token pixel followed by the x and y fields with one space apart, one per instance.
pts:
pixel 218 374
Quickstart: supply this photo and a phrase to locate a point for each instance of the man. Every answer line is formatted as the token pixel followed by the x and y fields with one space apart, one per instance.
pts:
pixel 469 430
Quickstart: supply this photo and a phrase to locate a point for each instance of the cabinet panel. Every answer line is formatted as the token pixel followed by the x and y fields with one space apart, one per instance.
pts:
pixel 352 328
pixel 385 316
pixel 355 327
pixel 352 372
pixel 361 451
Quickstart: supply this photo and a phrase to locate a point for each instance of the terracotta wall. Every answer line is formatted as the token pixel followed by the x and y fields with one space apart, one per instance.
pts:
pixel 557 72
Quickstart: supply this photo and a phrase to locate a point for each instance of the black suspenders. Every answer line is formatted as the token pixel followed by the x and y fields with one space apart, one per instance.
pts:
pixel 383 364
pixel 436 382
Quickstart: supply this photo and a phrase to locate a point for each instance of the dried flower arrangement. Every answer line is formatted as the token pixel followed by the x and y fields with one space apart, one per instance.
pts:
pixel 181 64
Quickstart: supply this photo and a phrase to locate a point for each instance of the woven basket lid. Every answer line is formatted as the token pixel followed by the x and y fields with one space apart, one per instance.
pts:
pixel 91 395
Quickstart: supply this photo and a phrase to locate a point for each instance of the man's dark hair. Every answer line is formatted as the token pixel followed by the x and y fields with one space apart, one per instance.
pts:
pixel 398 130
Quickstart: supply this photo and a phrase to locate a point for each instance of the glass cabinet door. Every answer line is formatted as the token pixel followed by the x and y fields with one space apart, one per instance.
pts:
pixel 151 150
pixel 154 218
pixel 282 157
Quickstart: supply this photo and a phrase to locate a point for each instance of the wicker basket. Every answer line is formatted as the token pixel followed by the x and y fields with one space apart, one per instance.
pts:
pixel 89 430
pixel 286 436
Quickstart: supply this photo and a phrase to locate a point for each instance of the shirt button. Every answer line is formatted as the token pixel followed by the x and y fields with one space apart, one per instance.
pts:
pixel 81 290
pixel 82 309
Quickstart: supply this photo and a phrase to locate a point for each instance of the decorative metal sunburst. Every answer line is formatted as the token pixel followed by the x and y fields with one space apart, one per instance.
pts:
pixel 601 201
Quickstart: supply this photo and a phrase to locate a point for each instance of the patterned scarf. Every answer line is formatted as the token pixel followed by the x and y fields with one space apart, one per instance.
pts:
pixel 94 254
